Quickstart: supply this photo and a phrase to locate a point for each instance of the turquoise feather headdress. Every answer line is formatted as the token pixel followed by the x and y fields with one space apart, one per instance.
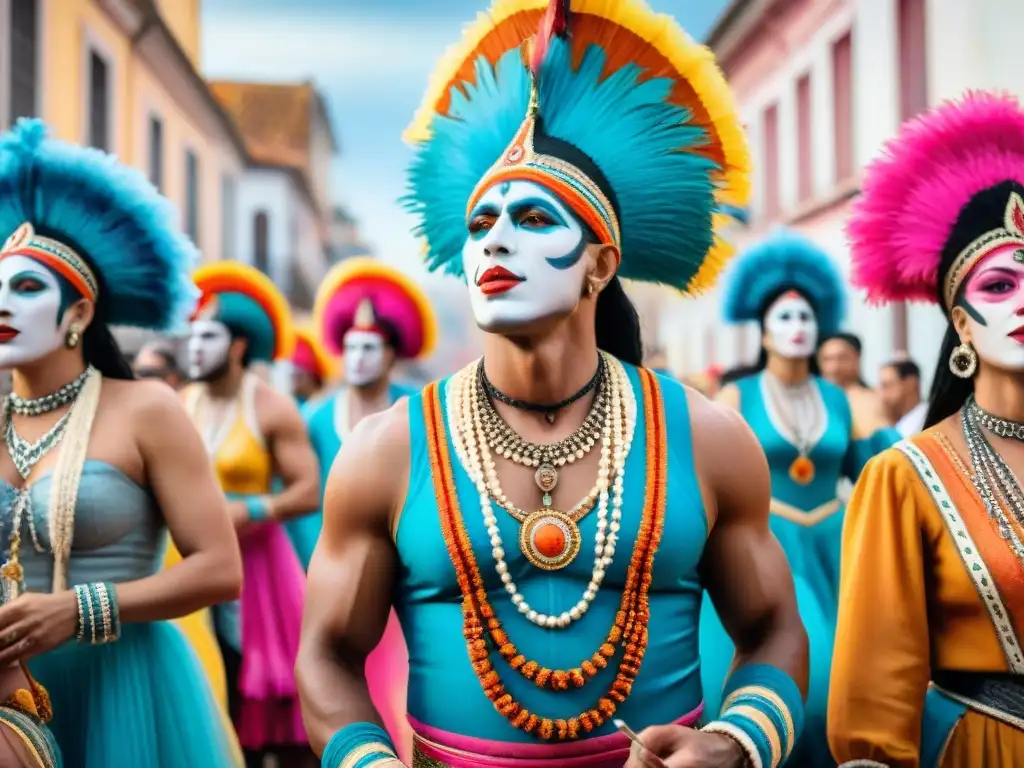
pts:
pixel 785 261
pixel 88 216
pixel 614 109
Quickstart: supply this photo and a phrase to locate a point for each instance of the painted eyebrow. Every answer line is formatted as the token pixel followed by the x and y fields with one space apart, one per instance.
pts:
pixel 485 209
pixel 30 274
pixel 538 202
pixel 1003 271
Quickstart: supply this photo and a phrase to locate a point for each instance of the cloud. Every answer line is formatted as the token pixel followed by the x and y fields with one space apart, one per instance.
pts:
pixel 339 50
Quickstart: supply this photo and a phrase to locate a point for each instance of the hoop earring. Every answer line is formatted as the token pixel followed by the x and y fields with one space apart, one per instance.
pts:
pixel 964 361
pixel 73 338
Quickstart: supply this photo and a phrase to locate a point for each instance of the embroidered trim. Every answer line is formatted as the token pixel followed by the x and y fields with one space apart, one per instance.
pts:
pixel 800 517
pixel 983 709
pixel 1011 233
pixel 969 554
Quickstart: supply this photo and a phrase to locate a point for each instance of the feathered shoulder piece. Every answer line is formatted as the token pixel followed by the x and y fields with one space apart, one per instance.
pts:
pixel 608 105
pixel 785 261
pixel 944 193
pixel 361 292
pixel 242 297
pixel 99 224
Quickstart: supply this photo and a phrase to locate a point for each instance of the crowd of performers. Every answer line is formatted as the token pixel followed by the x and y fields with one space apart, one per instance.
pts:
pixel 226 573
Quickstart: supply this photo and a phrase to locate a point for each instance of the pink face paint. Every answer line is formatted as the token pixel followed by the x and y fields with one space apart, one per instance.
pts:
pixel 993 298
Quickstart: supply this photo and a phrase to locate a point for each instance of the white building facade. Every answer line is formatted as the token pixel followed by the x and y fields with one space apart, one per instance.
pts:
pixel 820 85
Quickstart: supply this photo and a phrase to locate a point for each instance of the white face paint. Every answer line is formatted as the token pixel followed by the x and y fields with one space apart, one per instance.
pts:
pixel 994 300
pixel 792 327
pixel 30 304
pixel 364 357
pixel 208 345
pixel 523 257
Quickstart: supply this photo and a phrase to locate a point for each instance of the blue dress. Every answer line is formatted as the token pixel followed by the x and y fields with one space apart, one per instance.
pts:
pixel 807 519
pixel 323 425
pixel 143 700
pixel 444 692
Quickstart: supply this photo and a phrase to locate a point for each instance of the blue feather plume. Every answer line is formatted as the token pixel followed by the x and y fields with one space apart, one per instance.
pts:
pixel 641 143
pixel 784 261
pixel 111 215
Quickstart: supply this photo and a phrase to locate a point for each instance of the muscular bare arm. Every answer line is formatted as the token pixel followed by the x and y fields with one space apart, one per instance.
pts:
pixel 744 568
pixel 351 575
pixel 294 460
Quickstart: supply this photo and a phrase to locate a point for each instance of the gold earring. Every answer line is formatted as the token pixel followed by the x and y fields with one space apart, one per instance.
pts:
pixel 74 336
pixel 964 361
pixel 590 289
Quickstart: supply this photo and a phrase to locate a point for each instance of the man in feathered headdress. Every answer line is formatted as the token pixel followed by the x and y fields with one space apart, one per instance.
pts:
pixel 512 513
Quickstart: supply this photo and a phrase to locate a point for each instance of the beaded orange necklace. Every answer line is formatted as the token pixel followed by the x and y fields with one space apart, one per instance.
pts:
pixel 630 627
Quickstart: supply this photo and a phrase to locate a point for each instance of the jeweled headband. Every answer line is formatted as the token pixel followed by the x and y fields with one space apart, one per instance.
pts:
pixel 589 197
pixel 1010 234
pixel 55 255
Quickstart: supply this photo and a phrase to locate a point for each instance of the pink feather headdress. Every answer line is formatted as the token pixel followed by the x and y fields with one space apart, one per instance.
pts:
pixel 914 193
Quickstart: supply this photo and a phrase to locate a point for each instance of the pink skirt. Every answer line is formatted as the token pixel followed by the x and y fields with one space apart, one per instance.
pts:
pixel 272 596
pixel 387 677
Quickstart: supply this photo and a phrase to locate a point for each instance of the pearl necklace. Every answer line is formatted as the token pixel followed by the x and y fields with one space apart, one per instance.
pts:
pixel 474 454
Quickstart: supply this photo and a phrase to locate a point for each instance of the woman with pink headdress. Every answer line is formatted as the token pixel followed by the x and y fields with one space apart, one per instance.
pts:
pixel 928 668
pixel 372 315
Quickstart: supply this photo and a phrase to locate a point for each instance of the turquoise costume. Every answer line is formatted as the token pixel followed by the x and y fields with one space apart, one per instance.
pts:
pixel 444 692
pixel 325 434
pixel 147 698
pixel 130 694
pixel 806 515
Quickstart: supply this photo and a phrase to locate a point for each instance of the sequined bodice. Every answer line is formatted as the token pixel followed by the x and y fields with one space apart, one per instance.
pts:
pixel 119 531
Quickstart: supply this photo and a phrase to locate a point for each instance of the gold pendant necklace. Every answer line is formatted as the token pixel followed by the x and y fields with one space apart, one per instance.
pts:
pixel 548 538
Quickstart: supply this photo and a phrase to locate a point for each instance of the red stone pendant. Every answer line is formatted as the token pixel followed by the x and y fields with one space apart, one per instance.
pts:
pixel 549 539
pixel 801 471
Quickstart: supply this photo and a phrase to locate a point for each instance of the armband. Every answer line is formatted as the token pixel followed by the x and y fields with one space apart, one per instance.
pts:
pixel 359 745
pixel 258 508
pixel 763 712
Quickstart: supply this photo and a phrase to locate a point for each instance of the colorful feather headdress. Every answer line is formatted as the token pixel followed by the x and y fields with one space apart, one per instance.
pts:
pixel 310 355
pixel 785 261
pixel 360 293
pixel 947 191
pixel 248 302
pixel 100 225
pixel 613 108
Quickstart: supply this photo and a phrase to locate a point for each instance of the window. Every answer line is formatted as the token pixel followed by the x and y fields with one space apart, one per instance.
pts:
pixel 156 152
pixel 261 242
pixel 24 59
pixel 842 93
pixel 804 140
pixel 99 102
pixel 771 161
pixel 228 211
pixel 192 195
pixel 913 58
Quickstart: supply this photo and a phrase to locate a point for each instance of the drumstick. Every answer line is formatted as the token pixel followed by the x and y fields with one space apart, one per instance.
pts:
pixel 626 731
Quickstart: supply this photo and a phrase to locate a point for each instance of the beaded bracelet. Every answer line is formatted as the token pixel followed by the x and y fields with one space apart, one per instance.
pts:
pixel 359 745
pixel 99 618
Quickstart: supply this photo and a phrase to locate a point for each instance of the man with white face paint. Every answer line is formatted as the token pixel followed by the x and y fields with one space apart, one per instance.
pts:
pixel 254 435
pixel 811 436
pixel 373 316
pixel 489 508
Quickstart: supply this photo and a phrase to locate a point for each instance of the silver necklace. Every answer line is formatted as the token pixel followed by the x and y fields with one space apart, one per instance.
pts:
pixel 799 409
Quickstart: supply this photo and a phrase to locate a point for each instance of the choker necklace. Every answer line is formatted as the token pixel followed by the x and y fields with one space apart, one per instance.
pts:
pixel 37 406
pixel 995 424
pixel 548 409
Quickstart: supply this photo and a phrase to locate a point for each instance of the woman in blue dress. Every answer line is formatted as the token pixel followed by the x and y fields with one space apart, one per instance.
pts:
pixel 98 467
pixel 811 439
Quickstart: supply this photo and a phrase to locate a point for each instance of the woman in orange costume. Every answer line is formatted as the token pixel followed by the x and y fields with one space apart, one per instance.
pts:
pixel 928 666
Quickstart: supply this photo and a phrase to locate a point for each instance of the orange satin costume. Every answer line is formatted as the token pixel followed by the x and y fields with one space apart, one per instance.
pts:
pixel 926 581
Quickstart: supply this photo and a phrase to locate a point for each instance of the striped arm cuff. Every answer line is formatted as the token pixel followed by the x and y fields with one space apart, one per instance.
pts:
pixel 863 764
pixel 766 704
pixel 359 745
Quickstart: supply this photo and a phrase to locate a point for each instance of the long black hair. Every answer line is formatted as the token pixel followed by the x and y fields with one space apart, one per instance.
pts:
pixel 99 347
pixel 762 357
pixel 983 213
pixel 618 324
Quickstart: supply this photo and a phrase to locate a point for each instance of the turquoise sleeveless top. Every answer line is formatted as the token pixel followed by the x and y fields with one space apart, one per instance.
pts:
pixel 443 690
pixel 319 415
pixel 119 531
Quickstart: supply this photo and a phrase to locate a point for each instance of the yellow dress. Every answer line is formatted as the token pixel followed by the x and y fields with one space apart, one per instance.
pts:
pixel 926 580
